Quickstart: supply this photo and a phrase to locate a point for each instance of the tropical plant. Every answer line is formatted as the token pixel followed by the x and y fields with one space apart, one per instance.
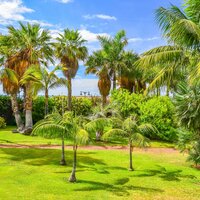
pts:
pixel 113 48
pixel 32 47
pixel 96 65
pixel 55 126
pixel 79 136
pixel 70 50
pixel 133 131
pixel 182 30
pixel 49 80
pixel 187 102
pixel 130 76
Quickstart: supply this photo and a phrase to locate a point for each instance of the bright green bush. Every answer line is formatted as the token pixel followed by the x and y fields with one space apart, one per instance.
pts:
pixel 160 112
pixel 126 102
pixel 80 105
pixel 2 122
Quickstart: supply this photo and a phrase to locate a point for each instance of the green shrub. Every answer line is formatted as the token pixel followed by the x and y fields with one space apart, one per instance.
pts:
pixel 39 108
pixel 80 105
pixel 160 112
pixel 2 122
pixel 126 102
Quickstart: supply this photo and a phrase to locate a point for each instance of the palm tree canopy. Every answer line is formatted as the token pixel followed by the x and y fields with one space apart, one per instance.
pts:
pixel 70 49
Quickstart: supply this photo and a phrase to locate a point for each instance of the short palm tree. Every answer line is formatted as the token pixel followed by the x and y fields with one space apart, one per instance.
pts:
pixel 133 131
pixel 70 50
pixel 55 126
pixel 96 65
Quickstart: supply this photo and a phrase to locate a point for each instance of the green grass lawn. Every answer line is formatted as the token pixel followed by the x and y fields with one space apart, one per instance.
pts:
pixel 36 174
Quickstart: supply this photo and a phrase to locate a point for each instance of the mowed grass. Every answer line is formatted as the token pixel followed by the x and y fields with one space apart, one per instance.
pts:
pixel 36 174
pixel 102 174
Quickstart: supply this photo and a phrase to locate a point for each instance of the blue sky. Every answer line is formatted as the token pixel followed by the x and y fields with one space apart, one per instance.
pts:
pixel 91 18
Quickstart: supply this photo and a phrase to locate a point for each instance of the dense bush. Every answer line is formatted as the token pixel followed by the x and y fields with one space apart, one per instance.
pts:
pixel 39 108
pixel 2 122
pixel 80 105
pixel 6 110
pixel 160 112
pixel 126 102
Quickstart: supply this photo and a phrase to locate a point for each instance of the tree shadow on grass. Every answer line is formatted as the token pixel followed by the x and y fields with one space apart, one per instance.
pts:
pixel 118 188
pixel 167 175
pixel 39 157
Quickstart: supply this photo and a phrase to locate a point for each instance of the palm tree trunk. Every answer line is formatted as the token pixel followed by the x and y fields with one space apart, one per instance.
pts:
pixel 98 135
pixel 114 81
pixel 69 87
pixel 63 161
pixel 72 177
pixel 16 112
pixel 104 100
pixel 46 102
pixel 28 110
pixel 130 155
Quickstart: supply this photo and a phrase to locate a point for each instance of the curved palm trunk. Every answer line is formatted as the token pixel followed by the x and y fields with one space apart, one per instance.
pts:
pixel 69 87
pixel 72 177
pixel 28 110
pixel 130 155
pixel 16 112
pixel 98 135
pixel 46 102
pixel 63 161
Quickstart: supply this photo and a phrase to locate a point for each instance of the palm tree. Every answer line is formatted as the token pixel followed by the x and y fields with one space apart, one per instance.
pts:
pixel 96 65
pixel 66 126
pixel 133 131
pixel 55 126
pixel 49 80
pixel 112 51
pixel 70 50
pixel 130 76
pixel 9 80
pixel 32 47
pixel 182 30
pixel 79 136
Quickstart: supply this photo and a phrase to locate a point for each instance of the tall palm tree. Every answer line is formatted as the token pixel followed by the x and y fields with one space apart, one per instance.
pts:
pixel 49 80
pixel 133 131
pixel 113 49
pixel 70 50
pixel 96 65
pixel 32 47
pixel 182 30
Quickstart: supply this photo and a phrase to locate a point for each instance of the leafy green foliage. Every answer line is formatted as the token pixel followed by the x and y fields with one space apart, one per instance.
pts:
pixel 2 122
pixel 126 102
pixel 160 112
pixel 194 153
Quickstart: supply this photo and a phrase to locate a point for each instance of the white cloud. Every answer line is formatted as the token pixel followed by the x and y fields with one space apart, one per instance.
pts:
pixel 41 23
pixel 143 39
pixel 64 1
pixel 13 10
pixel 100 16
pixel 90 36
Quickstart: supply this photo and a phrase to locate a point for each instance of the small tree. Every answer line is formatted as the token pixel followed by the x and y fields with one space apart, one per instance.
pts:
pixel 55 126
pixel 134 132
